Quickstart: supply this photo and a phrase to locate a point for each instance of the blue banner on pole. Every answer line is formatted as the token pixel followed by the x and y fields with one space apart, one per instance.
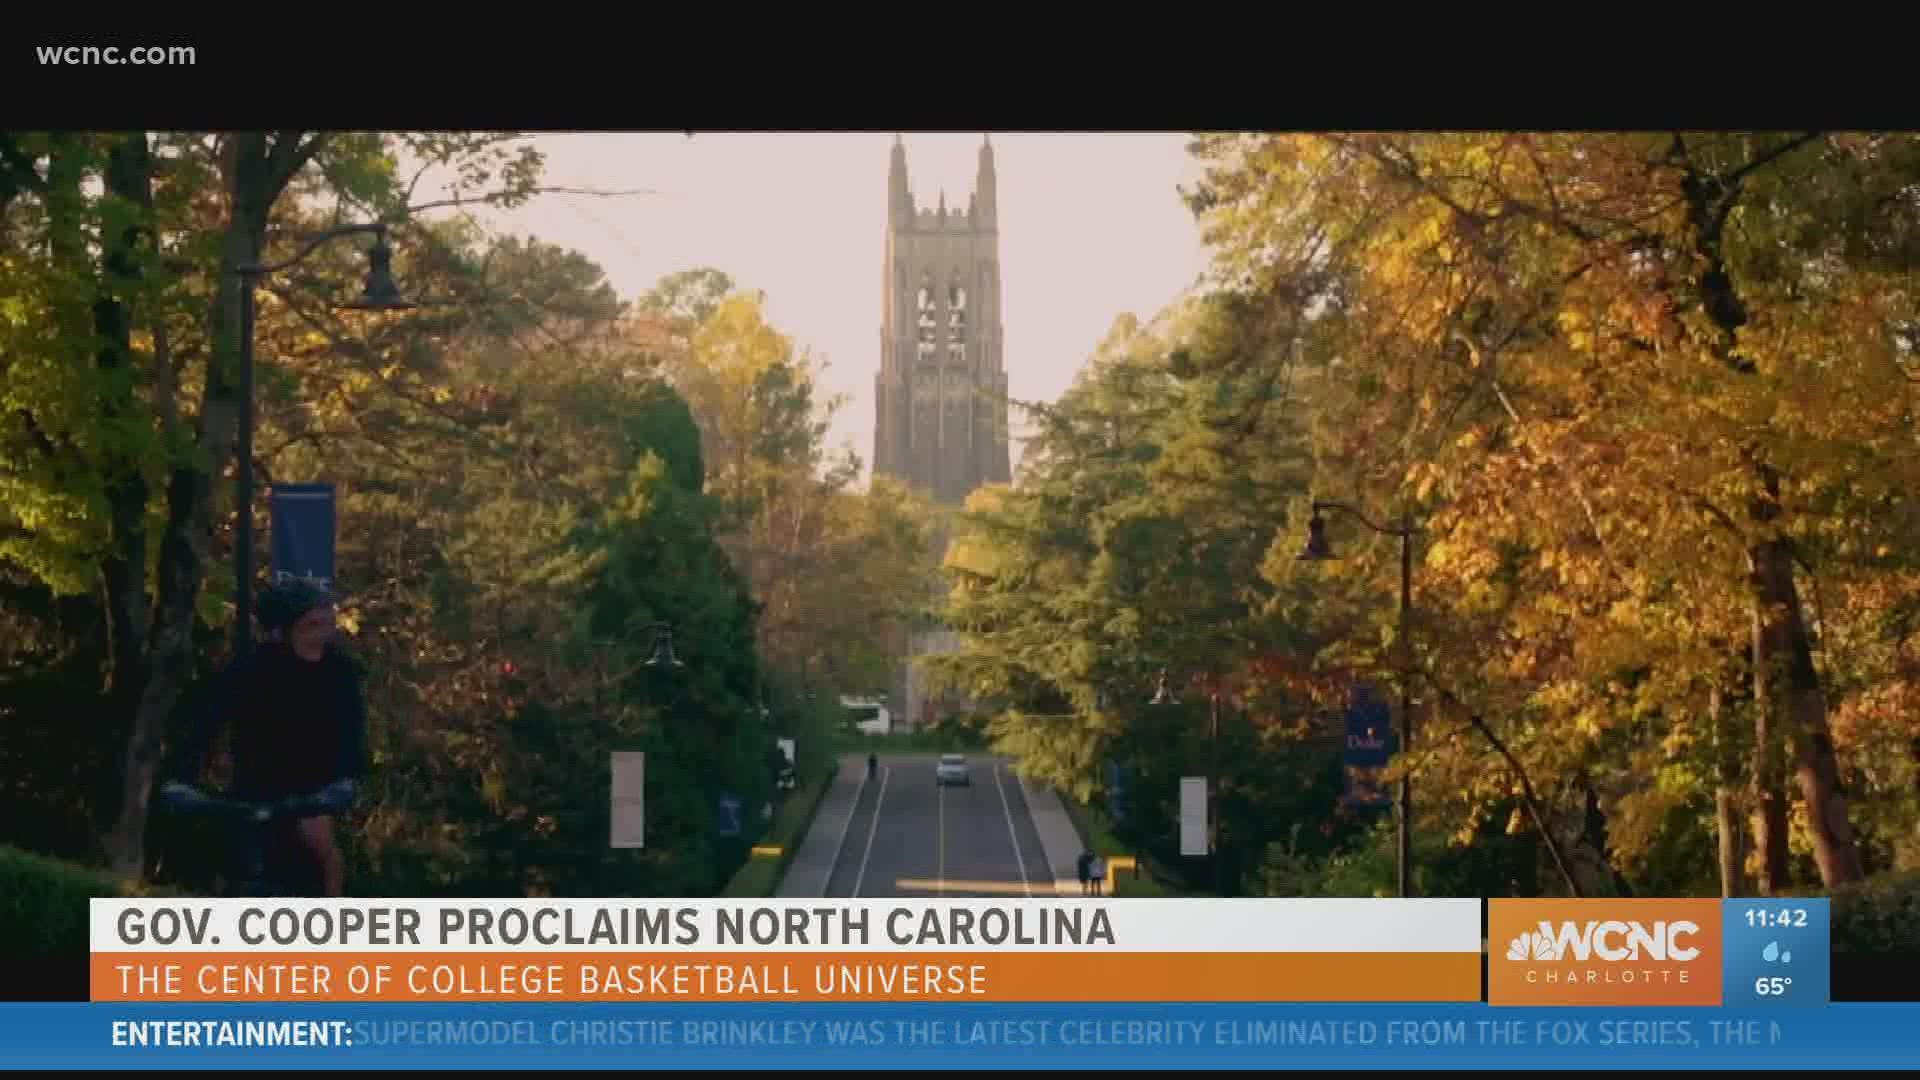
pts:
pixel 303 533
pixel 1369 728
pixel 730 823
pixel 1369 745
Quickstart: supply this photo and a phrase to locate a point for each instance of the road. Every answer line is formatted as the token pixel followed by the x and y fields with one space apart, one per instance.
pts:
pixel 910 837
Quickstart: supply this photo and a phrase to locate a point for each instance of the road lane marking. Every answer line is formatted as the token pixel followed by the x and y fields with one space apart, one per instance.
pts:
pixel 840 849
pixel 1012 833
pixel 878 802
pixel 925 885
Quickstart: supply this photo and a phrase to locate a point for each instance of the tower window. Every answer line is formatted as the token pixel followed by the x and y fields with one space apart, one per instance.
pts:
pixel 925 315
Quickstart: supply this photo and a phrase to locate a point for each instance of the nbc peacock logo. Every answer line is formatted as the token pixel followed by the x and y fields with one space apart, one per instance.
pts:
pixel 1531 946
pixel 1604 952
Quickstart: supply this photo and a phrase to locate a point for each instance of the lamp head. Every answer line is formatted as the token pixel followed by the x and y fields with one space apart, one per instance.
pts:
pixel 663 655
pixel 1317 549
pixel 381 293
pixel 1163 694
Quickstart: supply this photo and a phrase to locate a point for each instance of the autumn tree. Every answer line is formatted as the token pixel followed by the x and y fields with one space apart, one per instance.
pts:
pixel 1639 390
pixel 834 571
pixel 122 376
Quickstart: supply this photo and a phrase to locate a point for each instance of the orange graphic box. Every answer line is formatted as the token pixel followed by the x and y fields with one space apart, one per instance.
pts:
pixel 1603 952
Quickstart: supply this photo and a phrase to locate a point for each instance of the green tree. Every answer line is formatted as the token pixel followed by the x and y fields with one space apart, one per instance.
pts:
pixel 1130 551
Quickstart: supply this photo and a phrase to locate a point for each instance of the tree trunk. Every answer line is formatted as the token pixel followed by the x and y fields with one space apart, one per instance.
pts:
pixel 1783 656
pixel 1769 785
pixel 1594 834
pixel 124 570
pixel 1789 706
pixel 71 158
pixel 1726 797
pixel 187 537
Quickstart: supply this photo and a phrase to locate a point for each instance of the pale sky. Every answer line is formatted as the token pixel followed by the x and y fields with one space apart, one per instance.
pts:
pixel 1090 227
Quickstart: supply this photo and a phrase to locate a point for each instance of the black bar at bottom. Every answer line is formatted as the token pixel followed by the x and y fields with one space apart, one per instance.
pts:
pixel 43 977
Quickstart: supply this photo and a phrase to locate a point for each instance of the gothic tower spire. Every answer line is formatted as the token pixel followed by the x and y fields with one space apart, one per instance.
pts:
pixel 899 194
pixel 985 182
pixel 940 421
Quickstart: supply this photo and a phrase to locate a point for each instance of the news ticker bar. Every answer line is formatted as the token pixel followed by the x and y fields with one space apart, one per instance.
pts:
pixel 948 1035
pixel 1602 952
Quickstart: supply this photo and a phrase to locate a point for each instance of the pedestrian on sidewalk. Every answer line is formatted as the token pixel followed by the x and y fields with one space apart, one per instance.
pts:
pixel 873 765
pixel 1084 864
pixel 1099 869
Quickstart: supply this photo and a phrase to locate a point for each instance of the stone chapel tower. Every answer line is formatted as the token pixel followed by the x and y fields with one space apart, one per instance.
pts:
pixel 941 389
pixel 940 394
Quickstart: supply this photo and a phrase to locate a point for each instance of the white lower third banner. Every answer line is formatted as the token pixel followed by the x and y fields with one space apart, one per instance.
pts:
pixel 984 950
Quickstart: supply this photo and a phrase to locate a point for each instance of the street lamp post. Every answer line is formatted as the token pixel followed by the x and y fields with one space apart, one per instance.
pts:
pixel 1163 695
pixel 380 294
pixel 661 655
pixel 1318 550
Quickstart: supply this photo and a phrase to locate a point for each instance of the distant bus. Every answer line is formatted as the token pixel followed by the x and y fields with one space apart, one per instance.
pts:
pixel 869 715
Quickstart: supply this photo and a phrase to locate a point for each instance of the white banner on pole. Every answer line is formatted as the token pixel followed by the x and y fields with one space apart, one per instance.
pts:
pixel 1193 815
pixel 629 824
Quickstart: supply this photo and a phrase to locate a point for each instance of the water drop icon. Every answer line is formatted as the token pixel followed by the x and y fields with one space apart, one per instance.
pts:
pixel 1771 952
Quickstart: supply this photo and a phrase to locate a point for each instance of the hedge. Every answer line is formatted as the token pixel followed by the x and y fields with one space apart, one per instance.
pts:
pixel 1879 915
pixel 43 902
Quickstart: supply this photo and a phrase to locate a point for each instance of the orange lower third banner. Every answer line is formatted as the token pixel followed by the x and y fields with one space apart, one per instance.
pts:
pixel 796 976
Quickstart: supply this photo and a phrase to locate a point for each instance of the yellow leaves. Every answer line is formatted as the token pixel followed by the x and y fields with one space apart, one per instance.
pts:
pixel 1679 742
pixel 1430 476
pixel 1629 420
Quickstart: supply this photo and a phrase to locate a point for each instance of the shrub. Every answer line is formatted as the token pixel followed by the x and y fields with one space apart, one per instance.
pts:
pixel 43 902
pixel 1879 915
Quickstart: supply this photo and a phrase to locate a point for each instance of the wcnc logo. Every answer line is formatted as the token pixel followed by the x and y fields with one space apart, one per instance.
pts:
pixel 1603 952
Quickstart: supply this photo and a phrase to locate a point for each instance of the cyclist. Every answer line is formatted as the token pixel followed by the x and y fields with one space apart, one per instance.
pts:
pixel 295 709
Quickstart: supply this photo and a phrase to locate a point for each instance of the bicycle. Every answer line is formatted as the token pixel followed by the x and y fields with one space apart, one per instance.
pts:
pixel 256 820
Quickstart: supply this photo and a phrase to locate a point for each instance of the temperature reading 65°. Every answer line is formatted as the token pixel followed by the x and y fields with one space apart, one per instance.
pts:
pixel 1772 985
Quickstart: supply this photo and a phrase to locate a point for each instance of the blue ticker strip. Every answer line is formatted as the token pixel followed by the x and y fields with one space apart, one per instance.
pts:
pixel 812 1036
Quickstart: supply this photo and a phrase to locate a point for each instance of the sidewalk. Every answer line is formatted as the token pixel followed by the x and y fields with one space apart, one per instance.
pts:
pixel 1058 838
pixel 812 864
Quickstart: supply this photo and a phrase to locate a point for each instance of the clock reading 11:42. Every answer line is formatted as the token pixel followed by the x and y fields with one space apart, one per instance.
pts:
pixel 1777 951
pixel 1783 919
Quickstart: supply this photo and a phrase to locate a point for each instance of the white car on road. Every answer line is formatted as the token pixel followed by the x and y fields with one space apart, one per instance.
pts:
pixel 951 770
